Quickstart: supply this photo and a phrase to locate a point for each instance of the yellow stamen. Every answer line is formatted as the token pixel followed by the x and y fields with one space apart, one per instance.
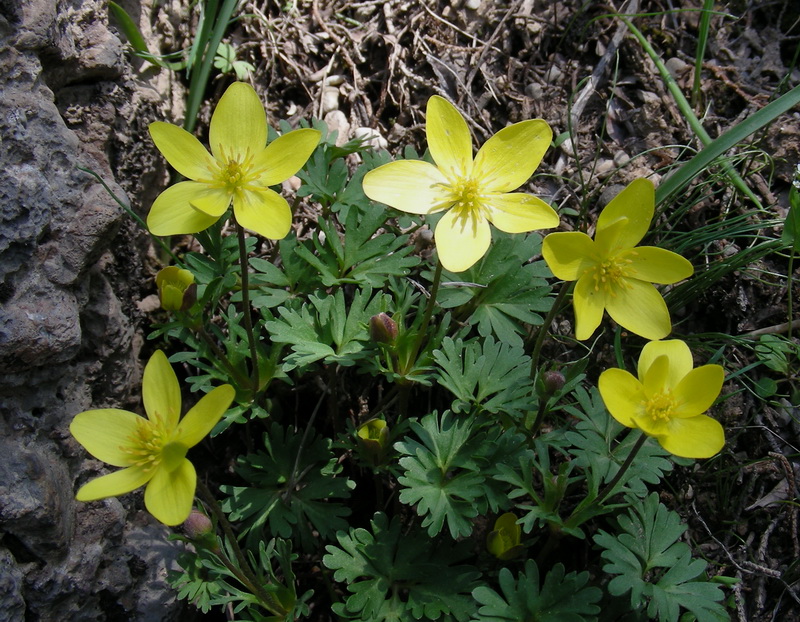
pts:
pixel 145 445
pixel 660 407
pixel 610 275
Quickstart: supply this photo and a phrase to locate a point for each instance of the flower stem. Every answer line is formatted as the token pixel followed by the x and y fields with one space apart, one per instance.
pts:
pixel 537 423
pixel 625 465
pixel 243 572
pixel 586 509
pixel 426 320
pixel 236 375
pixel 544 329
pixel 248 322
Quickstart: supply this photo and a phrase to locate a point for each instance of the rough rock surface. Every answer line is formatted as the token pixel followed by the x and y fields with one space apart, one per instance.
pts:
pixel 68 323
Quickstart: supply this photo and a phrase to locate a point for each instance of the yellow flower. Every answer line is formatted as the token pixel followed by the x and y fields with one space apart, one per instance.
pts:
pixel 153 450
pixel 177 290
pixel 239 170
pixel 504 540
pixel 668 399
pixel 475 193
pixel 611 273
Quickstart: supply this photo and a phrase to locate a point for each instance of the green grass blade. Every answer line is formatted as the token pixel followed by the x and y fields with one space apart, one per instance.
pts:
pixel 129 29
pixel 200 76
pixel 675 183
pixel 688 112
pixel 702 41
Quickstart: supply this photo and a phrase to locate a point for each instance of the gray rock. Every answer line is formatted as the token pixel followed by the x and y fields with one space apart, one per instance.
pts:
pixel 70 275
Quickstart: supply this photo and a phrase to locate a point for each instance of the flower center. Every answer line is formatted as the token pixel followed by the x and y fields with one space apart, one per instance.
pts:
pixel 610 274
pixel 235 172
pixel 660 406
pixel 466 196
pixel 145 446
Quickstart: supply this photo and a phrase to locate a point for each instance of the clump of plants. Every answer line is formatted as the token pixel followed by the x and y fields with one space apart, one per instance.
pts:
pixel 411 451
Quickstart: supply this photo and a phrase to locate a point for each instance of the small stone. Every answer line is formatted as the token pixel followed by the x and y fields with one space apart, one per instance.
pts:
pixel 337 122
pixel 534 91
pixel 473 5
pixel 330 99
pixel 621 158
pixel 335 79
pixel 553 74
pixel 676 67
pixel 604 168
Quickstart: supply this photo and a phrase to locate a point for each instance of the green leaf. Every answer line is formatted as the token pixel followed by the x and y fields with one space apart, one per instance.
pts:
pixel 596 449
pixel 486 373
pixel 327 330
pixel 648 543
pixel 501 293
pixel 400 576
pixel 775 351
pixel 292 491
pixel 363 257
pixel 562 597
pixel 791 228
pixel 434 475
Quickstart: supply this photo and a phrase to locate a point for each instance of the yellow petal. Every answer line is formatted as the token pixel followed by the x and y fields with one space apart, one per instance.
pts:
pixel 656 265
pixel 182 150
pixel 169 494
pixel 461 242
pixel 622 394
pixel 284 156
pixel 589 304
pixel 508 158
pixel 239 124
pixel 636 203
pixel 113 484
pixel 173 214
pixel 569 254
pixel 264 211
pixel 695 437
pixel 448 138
pixel 518 213
pixel 676 351
pixel 201 418
pixel 105 432
pixel 639 308
pixel 697 391
pixel 411 186
pixel 657 376
pixel 213 202
pixel 161 393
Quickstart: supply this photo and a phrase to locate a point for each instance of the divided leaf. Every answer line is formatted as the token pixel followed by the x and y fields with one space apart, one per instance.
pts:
pixel 561 598
pixel 647 545
pixel 394 576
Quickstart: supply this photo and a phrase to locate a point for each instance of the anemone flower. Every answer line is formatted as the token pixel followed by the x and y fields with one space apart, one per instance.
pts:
pixel 238 171
pixel 612 273
pixel 152 451
pixel 472 193
pixel 668 399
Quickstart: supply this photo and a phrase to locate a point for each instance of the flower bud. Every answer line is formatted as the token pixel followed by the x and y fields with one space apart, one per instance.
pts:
pixel 373 439
pixel 504 540
pixel 552 381
pixel 382 328
pixel 177 290
pixel 200 530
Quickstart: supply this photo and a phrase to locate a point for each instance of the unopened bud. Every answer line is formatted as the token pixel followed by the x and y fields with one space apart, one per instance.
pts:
pixel 553 381
pixel 504 540
pixel 177 290
pixel 200 530
pixel 382 328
